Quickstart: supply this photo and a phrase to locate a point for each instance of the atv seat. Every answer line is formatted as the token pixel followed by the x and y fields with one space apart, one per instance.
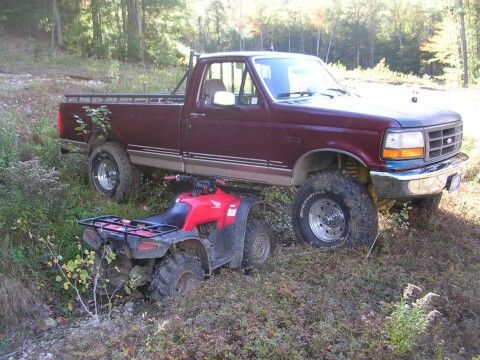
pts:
pixel 175 216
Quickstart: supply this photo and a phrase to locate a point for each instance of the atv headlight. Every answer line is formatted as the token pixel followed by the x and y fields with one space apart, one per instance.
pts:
pixel 403 145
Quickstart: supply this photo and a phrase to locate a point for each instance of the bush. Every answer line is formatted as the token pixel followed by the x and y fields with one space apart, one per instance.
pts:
pixel 17 303
pixel 32 195
pixel 405 328
pixel 9 140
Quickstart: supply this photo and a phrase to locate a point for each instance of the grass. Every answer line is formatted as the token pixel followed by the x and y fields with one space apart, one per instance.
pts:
pixel 304 304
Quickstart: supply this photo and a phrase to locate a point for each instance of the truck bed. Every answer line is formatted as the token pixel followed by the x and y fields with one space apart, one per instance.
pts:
pixel 147 125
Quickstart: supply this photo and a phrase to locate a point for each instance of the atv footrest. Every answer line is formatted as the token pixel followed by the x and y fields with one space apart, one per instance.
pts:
pixel 126 227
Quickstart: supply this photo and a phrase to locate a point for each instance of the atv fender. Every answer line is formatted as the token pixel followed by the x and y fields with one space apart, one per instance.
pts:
pixel 181 240
pixel 246 208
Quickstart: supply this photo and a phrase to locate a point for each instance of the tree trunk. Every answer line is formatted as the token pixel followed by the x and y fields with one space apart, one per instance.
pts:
pixel 302 36
pixel 463 41
pixel 96 27
pixel 289 39
pixel 261 37
pixel 329 45
pixel 318 40
pixel 372 51
pixel 400 44
pixel 57 23
pixel 134 30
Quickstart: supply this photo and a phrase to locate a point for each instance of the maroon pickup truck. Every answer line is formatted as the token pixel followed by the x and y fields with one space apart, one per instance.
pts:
pixel 278 119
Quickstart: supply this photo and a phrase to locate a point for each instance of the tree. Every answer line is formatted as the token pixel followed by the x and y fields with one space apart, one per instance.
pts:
pixel 135 50
pixel 463 42
pixel 97 27
pixel 57 25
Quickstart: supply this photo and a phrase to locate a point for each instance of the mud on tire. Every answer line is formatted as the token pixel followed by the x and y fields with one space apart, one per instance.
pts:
pixel 259 243
pixel 332 210
pixel 111 172
pixel 175 275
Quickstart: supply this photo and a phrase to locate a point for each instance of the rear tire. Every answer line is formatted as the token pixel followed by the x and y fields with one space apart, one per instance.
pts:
pixel 111 172
pixel 332 210
pixel 175 275
pixel 259 244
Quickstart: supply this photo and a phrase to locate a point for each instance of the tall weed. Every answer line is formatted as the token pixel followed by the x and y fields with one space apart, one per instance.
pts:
pixel 9 140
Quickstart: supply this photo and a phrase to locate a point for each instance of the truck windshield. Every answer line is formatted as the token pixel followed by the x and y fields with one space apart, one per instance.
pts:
pixel 289 78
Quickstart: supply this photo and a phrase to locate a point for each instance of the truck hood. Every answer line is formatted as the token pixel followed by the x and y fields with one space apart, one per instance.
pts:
pixel 407 114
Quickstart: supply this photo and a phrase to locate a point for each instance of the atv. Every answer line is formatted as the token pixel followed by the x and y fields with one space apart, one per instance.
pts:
pixel 203 230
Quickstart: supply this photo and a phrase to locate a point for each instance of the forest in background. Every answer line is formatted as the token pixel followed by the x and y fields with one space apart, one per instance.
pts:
pixel 439 39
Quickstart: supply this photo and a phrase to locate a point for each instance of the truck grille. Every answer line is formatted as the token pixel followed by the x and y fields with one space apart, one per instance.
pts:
pixel 443 141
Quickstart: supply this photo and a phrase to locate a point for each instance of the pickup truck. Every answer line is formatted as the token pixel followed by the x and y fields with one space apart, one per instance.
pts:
pixel 278 119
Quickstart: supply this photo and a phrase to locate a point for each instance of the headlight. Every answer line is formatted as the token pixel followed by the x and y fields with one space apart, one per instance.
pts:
pixel 404 145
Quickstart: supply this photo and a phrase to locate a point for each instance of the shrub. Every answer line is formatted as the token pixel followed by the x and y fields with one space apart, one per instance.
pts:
pixel 32 194
pixel 405 328
pixel 46 144
pixel 9 140
pixel 17 303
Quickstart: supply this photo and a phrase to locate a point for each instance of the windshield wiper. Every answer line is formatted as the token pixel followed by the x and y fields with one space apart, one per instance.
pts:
pixel 289 94
pixel 341 91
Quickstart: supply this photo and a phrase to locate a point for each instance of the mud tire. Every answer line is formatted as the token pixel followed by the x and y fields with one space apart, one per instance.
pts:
pixel 127 175
pixel 353 203
pixel 171 273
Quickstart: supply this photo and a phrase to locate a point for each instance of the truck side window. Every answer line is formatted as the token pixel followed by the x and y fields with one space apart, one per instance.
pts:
pixel 233 77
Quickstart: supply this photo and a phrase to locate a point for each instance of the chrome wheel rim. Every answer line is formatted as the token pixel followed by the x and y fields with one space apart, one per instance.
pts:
pixel 327 220
pixel 107 174
pixel 260 248
pixel 185 283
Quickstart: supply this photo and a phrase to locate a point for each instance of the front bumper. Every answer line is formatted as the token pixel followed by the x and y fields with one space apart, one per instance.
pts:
pixel 431 179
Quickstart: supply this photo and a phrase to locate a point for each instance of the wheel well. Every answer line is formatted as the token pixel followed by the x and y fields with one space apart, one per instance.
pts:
pixel 320 160
pixel 96 140
pixel 195 246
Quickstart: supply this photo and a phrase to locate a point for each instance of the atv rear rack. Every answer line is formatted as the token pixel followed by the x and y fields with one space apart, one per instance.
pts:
pixel 125 227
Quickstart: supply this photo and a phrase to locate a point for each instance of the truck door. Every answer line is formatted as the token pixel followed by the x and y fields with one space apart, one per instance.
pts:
pixel 230 141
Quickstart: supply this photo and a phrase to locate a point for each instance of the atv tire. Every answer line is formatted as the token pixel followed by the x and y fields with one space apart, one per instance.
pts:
pixel 259 244
pixel 332 210
pixel 175 275
pixel 111 172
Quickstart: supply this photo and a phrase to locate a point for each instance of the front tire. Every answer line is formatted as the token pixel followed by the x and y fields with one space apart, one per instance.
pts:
pixel 332 210
pixel 259 244
pixel 111 172
pixel 175 275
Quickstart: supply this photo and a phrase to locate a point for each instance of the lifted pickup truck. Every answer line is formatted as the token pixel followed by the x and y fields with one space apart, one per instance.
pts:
pixel 278 119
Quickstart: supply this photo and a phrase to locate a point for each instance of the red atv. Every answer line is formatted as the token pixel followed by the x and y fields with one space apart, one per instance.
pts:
pixel 202 231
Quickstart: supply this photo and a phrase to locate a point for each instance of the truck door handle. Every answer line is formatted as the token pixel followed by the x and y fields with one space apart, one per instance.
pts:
pixel 197 115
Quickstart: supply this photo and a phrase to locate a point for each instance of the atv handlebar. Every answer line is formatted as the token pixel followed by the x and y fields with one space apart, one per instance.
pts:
pixel 201 186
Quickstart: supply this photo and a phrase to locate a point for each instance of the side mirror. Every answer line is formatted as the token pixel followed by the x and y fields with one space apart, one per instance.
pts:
pixel 223 98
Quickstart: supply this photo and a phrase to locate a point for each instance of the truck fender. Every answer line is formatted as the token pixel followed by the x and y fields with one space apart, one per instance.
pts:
pixel 247 208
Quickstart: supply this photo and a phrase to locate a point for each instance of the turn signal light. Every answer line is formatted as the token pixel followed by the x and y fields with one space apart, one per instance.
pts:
pixel 403 153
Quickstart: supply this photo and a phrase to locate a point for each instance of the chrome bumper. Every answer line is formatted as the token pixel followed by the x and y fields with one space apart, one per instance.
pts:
pixel 431 179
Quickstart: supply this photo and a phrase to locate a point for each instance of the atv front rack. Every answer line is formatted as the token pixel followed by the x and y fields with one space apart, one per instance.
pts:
pixel 125 227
